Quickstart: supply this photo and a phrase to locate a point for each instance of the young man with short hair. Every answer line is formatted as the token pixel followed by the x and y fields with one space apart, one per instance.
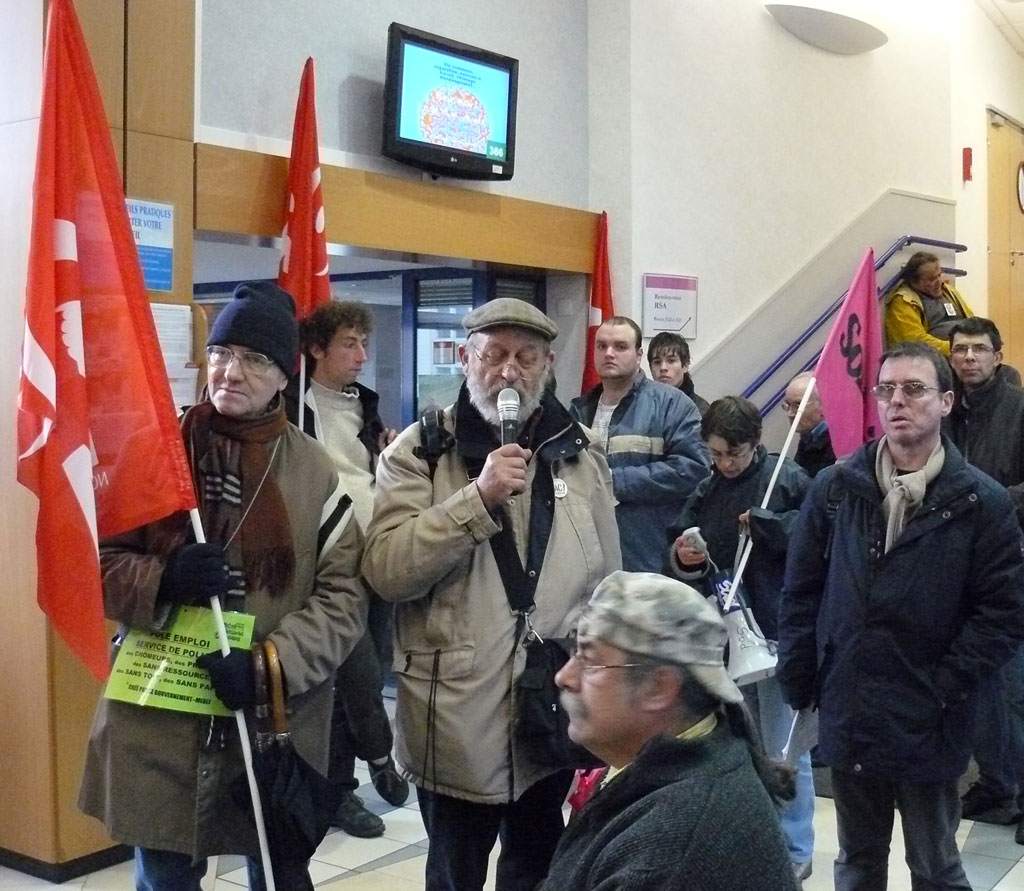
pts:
pixel 651 435
pixel 341 413
pixel 668 355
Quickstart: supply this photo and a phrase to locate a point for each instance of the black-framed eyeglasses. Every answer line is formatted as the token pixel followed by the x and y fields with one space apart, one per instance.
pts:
pixel 979 349
pixel 910 389
pixel 251 362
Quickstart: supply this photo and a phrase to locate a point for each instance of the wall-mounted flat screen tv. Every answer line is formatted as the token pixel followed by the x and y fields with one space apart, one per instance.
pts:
pixel 449 108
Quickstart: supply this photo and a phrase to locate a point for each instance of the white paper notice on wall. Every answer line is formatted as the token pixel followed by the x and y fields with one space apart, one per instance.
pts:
pixel 670 304
pixel 174 331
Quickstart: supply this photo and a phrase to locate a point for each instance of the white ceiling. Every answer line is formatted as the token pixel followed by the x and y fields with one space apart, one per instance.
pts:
pixel 1008 17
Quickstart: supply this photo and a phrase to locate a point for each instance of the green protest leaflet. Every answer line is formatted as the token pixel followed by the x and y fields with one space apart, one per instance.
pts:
pixel 159 669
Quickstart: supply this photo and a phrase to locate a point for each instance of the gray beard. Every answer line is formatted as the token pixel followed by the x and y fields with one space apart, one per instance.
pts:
pixel 487 403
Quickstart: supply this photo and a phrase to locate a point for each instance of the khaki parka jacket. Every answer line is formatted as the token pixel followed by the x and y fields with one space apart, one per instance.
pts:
pixel 458 646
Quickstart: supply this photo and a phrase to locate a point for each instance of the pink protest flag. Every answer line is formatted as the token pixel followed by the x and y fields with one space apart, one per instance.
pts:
pixel 98 440
pixel 849 364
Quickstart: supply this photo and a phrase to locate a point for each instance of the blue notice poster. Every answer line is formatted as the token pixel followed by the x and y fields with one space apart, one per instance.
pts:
pixel 153 228
pixel 452 101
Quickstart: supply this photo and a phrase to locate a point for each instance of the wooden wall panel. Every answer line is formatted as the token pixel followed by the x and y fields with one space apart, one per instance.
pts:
pixel 240 191
pixel 1001 189
pixel 161 67
pixel 27 772
pixel 103 26
pixel 160 169
pixel 74 693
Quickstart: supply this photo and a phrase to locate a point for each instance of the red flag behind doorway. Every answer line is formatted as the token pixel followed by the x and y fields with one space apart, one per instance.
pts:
pixel 98 441
pixel 304 265
pixel 601 306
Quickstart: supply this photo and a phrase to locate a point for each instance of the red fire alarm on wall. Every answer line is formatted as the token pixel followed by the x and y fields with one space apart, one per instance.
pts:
pixel 968 157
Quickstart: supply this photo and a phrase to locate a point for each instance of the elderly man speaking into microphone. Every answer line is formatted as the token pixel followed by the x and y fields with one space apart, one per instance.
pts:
pixel 465 530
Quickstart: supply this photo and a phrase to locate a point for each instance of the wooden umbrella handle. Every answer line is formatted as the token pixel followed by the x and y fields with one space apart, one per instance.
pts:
pixel 277 713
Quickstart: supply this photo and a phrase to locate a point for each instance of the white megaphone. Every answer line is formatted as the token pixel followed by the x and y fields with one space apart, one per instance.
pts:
pixel 751 657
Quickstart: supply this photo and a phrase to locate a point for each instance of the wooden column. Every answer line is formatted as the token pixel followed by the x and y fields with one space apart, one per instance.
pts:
pixel 48 696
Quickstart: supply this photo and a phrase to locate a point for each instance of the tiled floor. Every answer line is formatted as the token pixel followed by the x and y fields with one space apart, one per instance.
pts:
pixel 395 862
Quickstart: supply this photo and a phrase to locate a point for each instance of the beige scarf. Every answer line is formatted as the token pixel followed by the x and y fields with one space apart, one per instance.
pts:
pixel 904 492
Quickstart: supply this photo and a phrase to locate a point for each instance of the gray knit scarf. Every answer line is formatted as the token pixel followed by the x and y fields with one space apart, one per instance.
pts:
pixel 904 492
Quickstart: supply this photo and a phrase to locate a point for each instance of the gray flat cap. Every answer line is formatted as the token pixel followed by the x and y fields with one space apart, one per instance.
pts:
pixel 652 615
pixel 510 311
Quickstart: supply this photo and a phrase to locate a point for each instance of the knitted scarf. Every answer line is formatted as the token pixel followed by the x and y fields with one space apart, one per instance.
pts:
pixel 241 503
pixel 904 492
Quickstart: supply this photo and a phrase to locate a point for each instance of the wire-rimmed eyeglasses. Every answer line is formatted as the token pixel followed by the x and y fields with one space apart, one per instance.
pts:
pixel 910 389
pixel 251 362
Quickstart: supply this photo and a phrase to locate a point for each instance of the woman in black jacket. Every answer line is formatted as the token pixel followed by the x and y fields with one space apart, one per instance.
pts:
pixel 723 505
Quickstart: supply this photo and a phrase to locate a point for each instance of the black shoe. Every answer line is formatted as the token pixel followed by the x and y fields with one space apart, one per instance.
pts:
pixel 388 782
pixel 353 818
pixel 980 805
pixel 1018 834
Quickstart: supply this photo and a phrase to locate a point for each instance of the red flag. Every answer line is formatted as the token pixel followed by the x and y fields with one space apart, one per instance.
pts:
pixel 849 364
pixel 304 253
pixel 601 306
pixel 98 441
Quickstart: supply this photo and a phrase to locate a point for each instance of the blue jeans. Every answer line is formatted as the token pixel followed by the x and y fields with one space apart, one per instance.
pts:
pixel 157 870
pixel 999 737
pixel 930 813
pixel 774 719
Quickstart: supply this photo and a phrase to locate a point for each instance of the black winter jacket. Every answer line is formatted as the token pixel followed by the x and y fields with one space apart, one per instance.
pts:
pixel 715 506
pixel 892 647
pixel 987 425
pixel 814 451
pixel 684 815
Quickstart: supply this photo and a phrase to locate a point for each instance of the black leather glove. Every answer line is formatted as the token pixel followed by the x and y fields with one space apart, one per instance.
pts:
pixel 194 573
pixel 232 675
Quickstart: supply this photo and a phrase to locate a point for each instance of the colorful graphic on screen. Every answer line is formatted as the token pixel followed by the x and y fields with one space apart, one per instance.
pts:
pixel 453 101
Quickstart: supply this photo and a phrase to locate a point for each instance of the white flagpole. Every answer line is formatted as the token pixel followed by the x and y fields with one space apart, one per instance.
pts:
pixel 301 420
pixel 745 556
pixel 243 730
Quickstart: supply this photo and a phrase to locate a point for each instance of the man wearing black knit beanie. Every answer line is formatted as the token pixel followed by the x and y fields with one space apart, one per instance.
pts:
pixel 283 546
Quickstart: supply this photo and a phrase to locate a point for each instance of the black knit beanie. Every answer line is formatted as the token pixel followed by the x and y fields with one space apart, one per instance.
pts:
pixel 261 317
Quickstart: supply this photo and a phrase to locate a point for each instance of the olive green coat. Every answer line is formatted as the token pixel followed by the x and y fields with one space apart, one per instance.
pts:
pixel 146 776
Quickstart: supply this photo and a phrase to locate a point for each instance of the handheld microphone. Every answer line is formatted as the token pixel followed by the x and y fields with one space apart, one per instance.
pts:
pixel 508 414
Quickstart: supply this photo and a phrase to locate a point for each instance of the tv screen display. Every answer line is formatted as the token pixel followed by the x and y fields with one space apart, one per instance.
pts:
pixel 449 108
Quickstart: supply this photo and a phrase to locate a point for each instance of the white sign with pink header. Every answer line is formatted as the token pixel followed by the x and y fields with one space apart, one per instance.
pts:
pixel 670 304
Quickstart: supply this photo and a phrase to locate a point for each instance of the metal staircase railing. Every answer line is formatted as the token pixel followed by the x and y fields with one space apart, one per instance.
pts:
pixel 822 319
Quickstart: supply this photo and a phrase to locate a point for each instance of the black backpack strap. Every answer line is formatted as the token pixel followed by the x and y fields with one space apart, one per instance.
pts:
pixel 435 440
pixel 833 498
